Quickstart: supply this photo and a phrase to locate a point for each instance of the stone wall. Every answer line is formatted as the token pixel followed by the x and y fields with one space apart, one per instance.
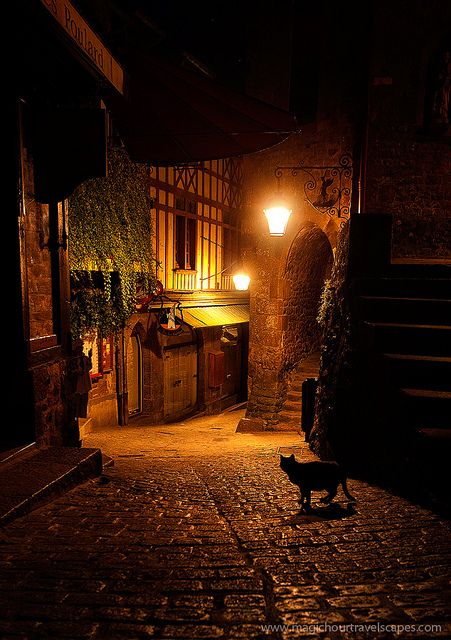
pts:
pixel 408 146
pixel 410 178
pixel 266 380
pixel 287 273
pixel 49 394
pixel 49 363
pixel 53 386
pixel 102 405
pixel 39 273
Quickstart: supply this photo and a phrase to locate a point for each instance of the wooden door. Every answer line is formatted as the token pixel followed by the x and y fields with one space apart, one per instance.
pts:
pixel 231 382
pixel 180 380
pixel 134 377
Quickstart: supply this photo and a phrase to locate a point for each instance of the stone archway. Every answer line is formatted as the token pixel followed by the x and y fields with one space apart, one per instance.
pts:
pixel 284 302
pixel 308 265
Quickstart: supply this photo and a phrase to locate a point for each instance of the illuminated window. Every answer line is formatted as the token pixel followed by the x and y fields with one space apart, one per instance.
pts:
pixel 185 243
pixel 107 354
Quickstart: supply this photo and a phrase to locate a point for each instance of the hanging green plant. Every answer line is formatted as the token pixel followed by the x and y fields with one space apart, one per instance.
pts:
pixel 110 232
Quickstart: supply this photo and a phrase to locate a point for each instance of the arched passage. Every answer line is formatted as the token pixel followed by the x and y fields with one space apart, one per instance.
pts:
pixel 308 265
pixel 284 303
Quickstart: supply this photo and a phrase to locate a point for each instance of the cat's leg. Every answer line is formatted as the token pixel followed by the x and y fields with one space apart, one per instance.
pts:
pixel 302 498
pixel 308 496
pixel 332 492
pixel 346 492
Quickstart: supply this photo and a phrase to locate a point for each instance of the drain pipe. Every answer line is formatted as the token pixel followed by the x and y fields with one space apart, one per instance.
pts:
pixel 121 382
pixel 358 203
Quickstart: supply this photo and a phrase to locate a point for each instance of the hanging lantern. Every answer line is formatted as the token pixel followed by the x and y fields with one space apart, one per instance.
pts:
pixel 277 215
pixel 241 281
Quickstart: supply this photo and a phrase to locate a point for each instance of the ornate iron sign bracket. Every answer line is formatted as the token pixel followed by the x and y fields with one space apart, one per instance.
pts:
pixel 326 188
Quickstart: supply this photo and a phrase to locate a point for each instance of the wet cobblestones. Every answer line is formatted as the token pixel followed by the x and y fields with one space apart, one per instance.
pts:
pixel 214 546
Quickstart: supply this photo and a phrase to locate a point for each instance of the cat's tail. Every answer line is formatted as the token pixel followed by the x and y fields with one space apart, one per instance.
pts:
pixel 346 492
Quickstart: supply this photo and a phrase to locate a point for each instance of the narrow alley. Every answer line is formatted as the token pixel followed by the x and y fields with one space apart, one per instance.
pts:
pixel 194 531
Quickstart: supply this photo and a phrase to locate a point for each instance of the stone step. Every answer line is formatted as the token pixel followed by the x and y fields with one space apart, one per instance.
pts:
pixel 417 268
pixel 290 414
pixel 440 436
pixel 415 371
pixel 426 408
pixel 29 481
pixel 296 387
pixel 400 286
pixel 434 448
pixel 405 310
pixel 291 421
pixel 421 339
pixel 292 409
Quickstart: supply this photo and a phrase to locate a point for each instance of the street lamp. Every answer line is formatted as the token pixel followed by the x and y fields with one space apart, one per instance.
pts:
pixel 241 281
pixel 277 216
pixel 278 213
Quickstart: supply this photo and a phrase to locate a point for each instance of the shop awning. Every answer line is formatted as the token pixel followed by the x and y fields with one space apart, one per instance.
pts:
pixel 172 115
pixel 216 316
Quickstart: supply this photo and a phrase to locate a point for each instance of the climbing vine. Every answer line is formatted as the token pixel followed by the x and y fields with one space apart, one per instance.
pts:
pixel 110 246
pixel 334 319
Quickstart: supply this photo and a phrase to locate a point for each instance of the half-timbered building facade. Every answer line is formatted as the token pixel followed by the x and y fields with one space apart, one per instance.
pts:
pixel 200 361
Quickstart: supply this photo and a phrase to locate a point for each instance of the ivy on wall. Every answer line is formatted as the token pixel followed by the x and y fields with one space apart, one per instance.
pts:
pixel 335 322
pixel 110 246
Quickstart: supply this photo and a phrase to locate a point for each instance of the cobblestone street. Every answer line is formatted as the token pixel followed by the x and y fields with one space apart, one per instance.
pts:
pixel 195 532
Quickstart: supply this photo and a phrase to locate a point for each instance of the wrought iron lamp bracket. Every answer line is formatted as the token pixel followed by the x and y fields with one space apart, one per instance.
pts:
pixel 327 188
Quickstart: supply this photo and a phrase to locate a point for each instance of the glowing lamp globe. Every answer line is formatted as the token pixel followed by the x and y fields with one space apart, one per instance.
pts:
pixel 241 281
pixel 277 216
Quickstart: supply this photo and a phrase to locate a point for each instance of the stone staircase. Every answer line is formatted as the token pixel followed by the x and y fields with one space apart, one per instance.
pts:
pixel 404 320
pixel 290 416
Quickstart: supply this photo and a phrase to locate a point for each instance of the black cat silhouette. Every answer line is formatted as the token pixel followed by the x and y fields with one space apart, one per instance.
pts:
pixel 315 476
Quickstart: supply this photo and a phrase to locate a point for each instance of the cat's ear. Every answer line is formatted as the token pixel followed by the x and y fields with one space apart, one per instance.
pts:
pixel 292 456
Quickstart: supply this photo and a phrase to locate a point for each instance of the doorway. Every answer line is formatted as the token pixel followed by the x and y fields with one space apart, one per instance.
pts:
pixel 308 266
pixel 134 375
pixel 180 380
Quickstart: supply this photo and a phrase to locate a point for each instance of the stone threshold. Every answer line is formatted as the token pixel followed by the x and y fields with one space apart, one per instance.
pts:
pixel 31 477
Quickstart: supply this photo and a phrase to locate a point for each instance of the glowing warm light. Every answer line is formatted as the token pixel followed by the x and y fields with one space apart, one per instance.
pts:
pixel 241 281
pixel 277 217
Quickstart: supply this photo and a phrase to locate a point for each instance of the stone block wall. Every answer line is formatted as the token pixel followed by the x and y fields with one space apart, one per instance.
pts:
pixel 53 386
pixel 38 265
pixel 48 380
pixel 48 363
pixel 408 149
pixel 288 273
pixel 410 178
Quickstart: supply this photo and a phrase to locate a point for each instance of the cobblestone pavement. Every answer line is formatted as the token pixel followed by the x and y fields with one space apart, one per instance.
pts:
pixel 196 533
